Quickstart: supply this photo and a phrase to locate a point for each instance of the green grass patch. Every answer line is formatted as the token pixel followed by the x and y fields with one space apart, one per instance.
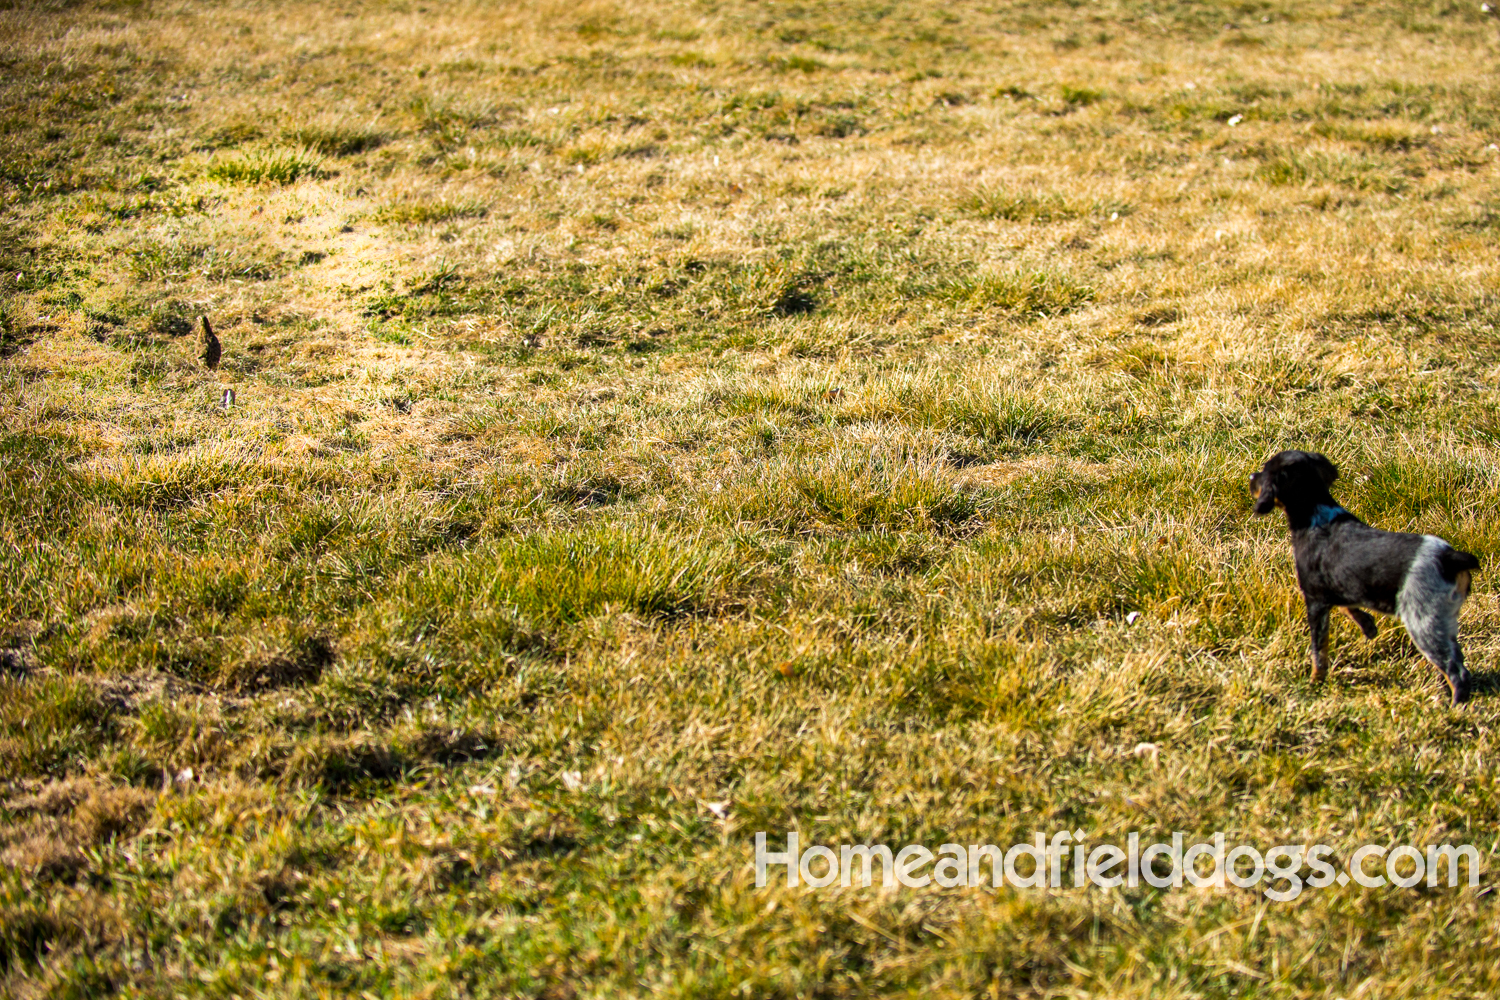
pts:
pixel 1355 173
pixel 429 213
pixel 51 726
pixel 1020 206
pixel 847 489
pixel 1028 293
pixel 283 166
pixel 332 140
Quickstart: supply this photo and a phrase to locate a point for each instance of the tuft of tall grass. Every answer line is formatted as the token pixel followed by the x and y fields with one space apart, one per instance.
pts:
pixel 562 576
pixel 1026 293
pixel 335 140
pixel 851 488
pixel 1357 173
pixel 1001 202
pixel 455 625
pixel 278 166
pixel 974 406
pixel 51 725
pixel 426 213
pixel 177 258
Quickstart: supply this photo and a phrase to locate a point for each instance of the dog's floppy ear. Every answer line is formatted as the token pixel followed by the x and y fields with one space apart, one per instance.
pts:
pixel 1326 469
pixel 1263 490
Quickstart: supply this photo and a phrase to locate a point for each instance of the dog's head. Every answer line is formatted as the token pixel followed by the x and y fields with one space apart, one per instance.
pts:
pixel 1292 477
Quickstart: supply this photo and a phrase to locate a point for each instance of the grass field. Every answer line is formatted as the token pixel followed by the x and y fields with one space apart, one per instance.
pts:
pixel 659 422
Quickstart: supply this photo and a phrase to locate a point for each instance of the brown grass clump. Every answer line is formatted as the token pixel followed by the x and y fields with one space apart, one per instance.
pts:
pixel 50 829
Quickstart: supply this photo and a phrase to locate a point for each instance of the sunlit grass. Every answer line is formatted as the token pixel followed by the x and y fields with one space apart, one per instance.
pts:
pixel 652 424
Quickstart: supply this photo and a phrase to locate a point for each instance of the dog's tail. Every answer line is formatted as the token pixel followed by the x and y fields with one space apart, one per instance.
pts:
pixel 1456 561
pixel 1456 566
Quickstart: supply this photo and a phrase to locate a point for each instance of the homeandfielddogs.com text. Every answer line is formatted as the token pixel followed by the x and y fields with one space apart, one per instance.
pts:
pixel 1067 859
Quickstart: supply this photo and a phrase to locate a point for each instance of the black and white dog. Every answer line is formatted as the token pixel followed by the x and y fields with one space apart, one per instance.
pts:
pixel 1342 562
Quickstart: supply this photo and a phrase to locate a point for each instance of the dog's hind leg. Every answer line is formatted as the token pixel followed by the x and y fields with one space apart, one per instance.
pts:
pixel 1443 652
pixel 1457 674
pixel 1363 620
pixel 1317 623
pixel 1428 606
pixel 1437 638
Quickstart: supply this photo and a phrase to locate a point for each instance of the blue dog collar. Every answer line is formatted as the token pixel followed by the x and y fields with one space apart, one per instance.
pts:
pixel 1326 515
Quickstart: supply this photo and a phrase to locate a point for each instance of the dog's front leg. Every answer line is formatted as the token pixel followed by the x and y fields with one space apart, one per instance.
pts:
pixel 1317 623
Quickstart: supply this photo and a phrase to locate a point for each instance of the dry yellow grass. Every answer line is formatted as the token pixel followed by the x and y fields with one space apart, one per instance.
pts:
pixel 837 411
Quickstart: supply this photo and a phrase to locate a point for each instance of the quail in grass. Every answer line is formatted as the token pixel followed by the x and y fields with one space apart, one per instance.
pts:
pixel 211 349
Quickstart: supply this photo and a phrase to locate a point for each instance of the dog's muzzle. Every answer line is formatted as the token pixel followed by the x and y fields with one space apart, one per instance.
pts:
pixel 1265 497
